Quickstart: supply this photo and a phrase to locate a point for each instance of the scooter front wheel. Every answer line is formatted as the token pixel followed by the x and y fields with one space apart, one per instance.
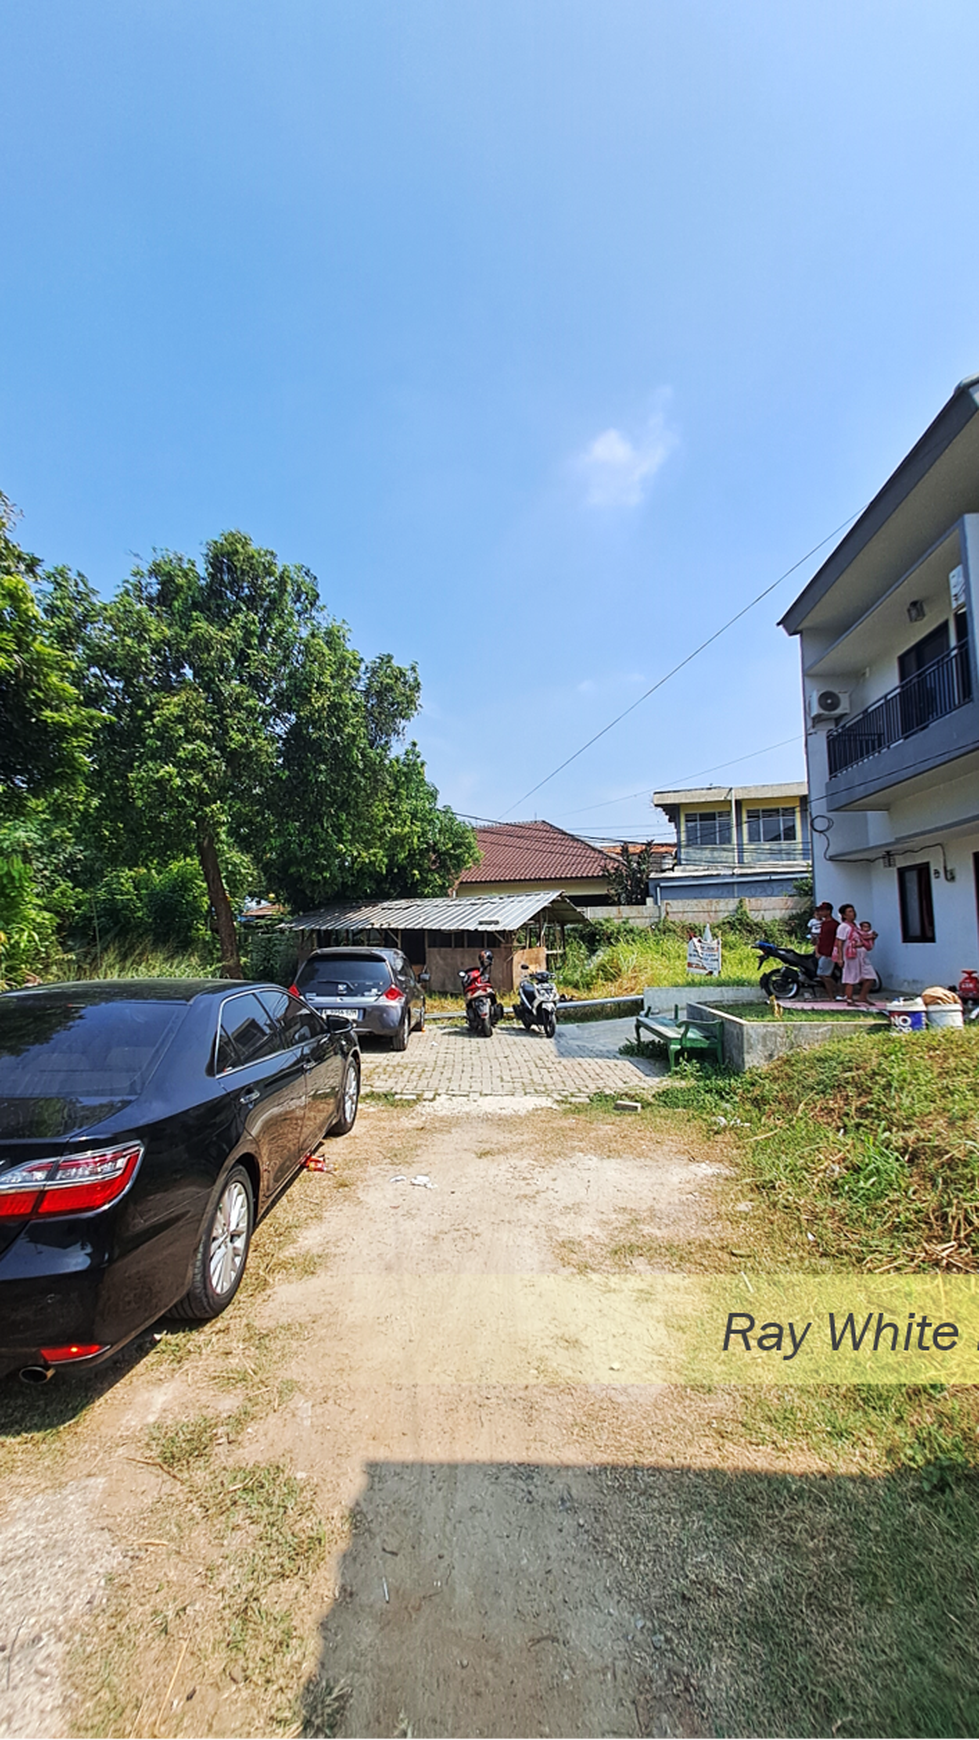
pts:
pixel 550 1024
pixel 485 1028
pixel 784 983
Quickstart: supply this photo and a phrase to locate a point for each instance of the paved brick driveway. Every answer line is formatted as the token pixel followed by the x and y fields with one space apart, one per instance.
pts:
pixel 581 1060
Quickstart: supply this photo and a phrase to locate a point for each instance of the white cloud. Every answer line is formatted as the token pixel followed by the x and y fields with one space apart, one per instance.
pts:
pixel 618 471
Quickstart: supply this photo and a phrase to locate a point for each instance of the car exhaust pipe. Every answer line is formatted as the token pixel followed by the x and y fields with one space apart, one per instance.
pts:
pixel 36 1374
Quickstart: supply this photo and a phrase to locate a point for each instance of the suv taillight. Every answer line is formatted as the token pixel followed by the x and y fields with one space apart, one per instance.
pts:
pixel 75 1184
pixel 294 991
pixel 393 995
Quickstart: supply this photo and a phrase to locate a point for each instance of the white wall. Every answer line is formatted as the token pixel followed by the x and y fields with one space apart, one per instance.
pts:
pixel 872 887
pixel 912 966
pixel 873 890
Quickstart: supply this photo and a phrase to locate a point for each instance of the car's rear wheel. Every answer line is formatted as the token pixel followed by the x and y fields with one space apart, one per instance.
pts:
pixel 222 1252
pixel 349 1100
pixel 400 1040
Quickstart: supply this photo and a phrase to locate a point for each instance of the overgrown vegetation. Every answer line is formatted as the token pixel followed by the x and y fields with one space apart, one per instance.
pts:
pixel 617 959
pixel 871 1143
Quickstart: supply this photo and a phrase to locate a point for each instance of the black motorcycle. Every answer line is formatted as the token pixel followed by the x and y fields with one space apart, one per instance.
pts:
pixel 796 977
pixel 536 1004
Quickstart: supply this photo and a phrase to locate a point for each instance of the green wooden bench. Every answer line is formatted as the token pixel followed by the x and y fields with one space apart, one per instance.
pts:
pixel 682 1038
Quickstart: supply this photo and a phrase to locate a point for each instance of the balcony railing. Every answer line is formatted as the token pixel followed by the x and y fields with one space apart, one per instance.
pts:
pixel 929 695
pixel 747 855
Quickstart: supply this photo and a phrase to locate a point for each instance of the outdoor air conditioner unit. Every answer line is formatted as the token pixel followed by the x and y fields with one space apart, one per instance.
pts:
pixel 828 704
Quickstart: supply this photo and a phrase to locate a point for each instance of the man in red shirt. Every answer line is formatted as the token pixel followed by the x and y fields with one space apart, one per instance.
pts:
pixel 824 948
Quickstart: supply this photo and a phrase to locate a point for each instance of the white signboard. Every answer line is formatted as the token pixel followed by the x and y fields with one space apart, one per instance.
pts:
pixel 704 954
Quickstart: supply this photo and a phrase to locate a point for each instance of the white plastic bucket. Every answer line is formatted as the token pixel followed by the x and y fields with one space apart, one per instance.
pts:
pixel 944 1015
pixel 907 1015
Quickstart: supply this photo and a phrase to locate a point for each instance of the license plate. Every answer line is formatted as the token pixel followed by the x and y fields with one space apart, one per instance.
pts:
pixel 342 1009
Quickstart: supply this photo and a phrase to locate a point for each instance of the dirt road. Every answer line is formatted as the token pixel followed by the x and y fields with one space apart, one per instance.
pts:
pixel 368 1501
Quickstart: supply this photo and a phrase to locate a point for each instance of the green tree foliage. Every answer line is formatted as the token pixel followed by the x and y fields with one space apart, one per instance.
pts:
pixel 167 907
pixel 28 941
pixel 348 816
pixel 235 716
pixel 44 730
pixel 185 666
pixel 628 878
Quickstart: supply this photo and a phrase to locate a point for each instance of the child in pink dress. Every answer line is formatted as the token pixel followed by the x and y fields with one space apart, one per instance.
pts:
pixel 853 945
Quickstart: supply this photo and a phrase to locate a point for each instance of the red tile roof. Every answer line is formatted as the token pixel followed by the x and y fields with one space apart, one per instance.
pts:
pixel 533 852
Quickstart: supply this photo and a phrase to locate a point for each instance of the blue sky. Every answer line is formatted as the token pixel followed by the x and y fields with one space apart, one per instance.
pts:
pixel 546 333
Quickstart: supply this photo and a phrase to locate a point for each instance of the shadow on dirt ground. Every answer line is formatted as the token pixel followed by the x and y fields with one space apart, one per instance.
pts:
pixel 29 1408
pixel 505 1599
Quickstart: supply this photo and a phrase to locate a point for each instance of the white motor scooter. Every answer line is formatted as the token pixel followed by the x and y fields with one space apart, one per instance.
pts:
pixel 536 1004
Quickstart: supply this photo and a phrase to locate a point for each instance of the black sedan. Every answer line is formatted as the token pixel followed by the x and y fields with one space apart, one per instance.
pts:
pixel 145 1126
pixel 375 988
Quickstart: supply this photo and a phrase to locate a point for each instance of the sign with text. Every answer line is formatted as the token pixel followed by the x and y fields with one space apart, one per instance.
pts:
pixel 704 953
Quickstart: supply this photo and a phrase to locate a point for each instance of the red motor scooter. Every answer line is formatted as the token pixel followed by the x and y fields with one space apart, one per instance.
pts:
pixel 483 1008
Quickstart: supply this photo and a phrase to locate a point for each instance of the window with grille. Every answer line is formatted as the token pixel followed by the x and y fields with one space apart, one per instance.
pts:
pixel 774 824
pixel 917 912
pixel 707 827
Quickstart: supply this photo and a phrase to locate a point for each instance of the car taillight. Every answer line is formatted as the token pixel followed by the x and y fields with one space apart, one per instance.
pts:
pixel 76 1350
pixel 294 991
pixel 75 1184
pixel 393 995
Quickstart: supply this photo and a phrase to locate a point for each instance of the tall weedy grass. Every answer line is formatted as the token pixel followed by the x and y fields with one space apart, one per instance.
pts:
pixel 872 1140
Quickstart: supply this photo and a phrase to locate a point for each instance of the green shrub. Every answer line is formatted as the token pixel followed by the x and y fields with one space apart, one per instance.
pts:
pixel 167 907
pixel 271 954
pixel 176 904
pixel 120 905
pixel 28 941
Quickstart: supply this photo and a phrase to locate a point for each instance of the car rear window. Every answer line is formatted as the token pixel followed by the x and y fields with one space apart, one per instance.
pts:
pixel 344 975
pixel 81 1049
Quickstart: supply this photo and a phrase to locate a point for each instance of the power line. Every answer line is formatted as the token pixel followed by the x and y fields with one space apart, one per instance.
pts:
pixel 648 790
pixel 679 667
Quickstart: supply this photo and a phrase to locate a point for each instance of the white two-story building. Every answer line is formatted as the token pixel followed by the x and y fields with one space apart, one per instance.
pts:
pixel 891 697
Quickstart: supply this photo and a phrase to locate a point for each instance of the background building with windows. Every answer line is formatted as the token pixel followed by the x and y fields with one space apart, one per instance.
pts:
pixel 891 694
pixel 745 843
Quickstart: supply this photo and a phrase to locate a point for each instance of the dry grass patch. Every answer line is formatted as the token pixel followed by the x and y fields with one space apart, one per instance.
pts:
pixel 208 1628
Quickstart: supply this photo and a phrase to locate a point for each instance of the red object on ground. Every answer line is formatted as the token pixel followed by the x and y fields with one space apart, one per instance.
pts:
pixel 969 985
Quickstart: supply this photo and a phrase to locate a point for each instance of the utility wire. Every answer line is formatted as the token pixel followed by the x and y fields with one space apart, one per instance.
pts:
pixel 679 667
pixel 648 790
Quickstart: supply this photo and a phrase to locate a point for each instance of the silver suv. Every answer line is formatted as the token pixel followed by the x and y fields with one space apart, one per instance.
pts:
pixel 375 988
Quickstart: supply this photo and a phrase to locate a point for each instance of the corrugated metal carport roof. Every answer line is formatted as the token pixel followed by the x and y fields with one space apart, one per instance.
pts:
pixel 476 912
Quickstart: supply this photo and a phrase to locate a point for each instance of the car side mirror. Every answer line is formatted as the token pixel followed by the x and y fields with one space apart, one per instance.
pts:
pixel 338 1024
pixel 424 977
